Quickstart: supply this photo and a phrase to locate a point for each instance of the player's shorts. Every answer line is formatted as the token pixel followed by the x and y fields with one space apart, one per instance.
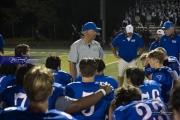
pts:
pixel 122 65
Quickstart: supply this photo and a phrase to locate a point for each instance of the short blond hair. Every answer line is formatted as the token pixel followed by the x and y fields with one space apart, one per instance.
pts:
pixel 157 54
pixel 143 56
pixel 38 84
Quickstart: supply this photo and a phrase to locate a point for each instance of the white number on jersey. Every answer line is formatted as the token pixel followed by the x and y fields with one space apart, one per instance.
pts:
pixel 148 112
pixel 92 108
pixel 20 96
pixel 154 93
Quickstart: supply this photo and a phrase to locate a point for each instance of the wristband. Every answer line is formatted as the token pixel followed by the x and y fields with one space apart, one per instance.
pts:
pixel 103 91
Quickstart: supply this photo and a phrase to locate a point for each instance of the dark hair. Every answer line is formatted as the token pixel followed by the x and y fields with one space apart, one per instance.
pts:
pixel 174 101
pixel 52 62
pixel 136 75
pixel 23 69
pixel 21 49
pixel 87 67
pixel 100 64
pixel 127 94
pixel 8 69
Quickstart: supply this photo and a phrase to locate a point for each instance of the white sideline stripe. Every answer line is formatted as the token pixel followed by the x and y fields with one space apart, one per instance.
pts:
pixel 111 63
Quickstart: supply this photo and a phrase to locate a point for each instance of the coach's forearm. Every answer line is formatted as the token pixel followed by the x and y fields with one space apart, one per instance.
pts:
pixel 72 72
pixel 113 50
pixel 84 102
pixel 140 51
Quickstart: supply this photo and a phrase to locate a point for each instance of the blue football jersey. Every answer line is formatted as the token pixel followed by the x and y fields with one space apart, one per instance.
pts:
pixel 148 70
pixel 142 110
pixel 62 77
pixel 163 77
pixel 102 78
pixel 58 91
pixel 18 113
pixel 14 96
pixel 173 63
pixel 81 89
pixel 5 81
pixel 151 90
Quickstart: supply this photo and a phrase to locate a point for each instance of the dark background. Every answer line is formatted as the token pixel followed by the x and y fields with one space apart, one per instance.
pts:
pixel 53 18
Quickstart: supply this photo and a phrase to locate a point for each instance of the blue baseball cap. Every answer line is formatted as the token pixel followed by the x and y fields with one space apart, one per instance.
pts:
pixel 90 26
pixel 167 25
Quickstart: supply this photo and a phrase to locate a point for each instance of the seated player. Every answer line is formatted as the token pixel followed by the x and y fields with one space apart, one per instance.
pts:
pixel 22 50
pixel 38 86
pixel 100 77
pixel 150 89
pixel 148 70
pixel 129 106
pixel 88 86
pixel 174 102
pixel 162 74
pixel 61 77
pixel 170 61
pixel 15 95
pixel 7 75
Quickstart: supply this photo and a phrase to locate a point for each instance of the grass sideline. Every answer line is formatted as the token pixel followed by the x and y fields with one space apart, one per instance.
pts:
pixel 110 60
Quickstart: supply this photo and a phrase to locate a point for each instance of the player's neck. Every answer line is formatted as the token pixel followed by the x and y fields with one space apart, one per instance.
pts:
pixel 159 66
pixel 41 107
pixel 89 79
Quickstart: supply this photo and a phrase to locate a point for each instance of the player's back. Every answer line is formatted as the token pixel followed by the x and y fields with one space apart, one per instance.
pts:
pixel 173 63
pixel 18 113
pixel 151 90
pixel 62 77
pixel 103 78
pixel 81 89
pixel 6 81
pixel 58 91
pixel 142 110
pixel 14 96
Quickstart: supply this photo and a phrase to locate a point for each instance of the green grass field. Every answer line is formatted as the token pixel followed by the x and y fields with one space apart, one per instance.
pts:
pixel 110 60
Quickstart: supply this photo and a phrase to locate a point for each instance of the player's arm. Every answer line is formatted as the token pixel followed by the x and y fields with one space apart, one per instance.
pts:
pixel 114 51
pixel 72 66
pixel 149 77
pixel 111 109
pixel 88 101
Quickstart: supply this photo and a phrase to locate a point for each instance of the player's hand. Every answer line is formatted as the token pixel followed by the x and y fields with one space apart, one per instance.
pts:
pixel 106 86
pixel 117 56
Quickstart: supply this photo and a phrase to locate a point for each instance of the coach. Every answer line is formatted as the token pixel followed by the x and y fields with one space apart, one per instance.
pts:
pixel 84 47
pixel 170 41
pixel 128 43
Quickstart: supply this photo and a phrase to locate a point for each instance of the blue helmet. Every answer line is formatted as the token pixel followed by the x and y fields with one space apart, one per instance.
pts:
pixel 167 25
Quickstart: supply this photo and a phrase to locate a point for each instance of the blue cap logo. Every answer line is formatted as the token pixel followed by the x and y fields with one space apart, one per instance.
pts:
pixel 90 26
pixel 167 25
